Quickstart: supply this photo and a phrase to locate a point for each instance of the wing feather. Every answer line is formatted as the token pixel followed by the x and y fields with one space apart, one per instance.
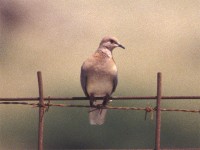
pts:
pixel 115 81
pixel 83 79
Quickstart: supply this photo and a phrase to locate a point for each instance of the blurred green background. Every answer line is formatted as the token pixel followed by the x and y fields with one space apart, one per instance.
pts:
pixel 55 37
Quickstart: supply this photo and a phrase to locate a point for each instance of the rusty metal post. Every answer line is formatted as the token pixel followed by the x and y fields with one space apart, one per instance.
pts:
pixel 158 111
pixel 41 111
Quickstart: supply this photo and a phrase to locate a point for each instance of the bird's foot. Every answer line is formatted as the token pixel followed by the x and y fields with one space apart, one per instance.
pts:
pixel 92 100
pixel 100 107
pixel 96 107
pixel 106 100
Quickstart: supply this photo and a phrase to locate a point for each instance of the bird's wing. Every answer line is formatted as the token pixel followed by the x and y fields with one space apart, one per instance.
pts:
pixel 83 79
pixel 115 81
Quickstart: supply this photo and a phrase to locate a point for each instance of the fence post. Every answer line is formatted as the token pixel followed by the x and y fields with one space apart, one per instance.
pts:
pixel 41 111
pixel 158 111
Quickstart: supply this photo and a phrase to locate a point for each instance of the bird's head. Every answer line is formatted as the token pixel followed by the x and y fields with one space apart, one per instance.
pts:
pixel 110 43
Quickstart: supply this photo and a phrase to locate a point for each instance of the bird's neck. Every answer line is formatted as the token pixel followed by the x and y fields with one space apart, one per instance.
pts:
pixel 106 52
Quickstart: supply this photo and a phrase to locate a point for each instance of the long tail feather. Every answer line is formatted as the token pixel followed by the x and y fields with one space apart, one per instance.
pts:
pixel 97 116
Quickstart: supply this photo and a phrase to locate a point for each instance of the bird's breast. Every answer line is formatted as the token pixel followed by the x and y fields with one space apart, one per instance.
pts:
pixel 100 80
pixel 100 85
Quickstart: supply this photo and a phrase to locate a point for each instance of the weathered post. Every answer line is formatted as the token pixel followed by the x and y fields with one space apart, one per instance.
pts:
pixel 158 111
pixel 41 111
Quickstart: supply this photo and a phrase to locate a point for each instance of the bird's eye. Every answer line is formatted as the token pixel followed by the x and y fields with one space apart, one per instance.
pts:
pixel 112 41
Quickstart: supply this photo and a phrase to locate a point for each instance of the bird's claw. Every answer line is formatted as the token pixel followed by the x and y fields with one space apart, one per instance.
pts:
pixel 99 106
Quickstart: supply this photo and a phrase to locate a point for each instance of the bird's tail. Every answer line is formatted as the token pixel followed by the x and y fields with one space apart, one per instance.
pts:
pixel 97 116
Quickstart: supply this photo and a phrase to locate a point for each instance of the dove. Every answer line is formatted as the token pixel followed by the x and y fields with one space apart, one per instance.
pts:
pixel 99 78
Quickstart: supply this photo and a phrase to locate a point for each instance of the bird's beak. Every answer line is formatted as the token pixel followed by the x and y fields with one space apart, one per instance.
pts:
pixel 119 45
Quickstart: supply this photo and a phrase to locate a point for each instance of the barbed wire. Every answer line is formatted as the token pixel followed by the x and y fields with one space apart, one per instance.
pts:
pixel 147 108
pixel 43 103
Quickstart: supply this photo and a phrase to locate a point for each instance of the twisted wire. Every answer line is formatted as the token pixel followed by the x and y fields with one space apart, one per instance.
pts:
pixel 147 109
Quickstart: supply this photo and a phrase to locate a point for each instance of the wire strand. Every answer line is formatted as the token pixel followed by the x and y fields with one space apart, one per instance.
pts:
pixel 147 109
